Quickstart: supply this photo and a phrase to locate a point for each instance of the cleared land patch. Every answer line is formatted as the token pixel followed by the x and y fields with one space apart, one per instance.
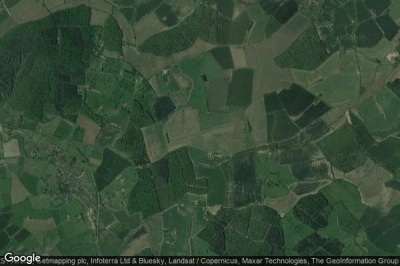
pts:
pixel 370 180
pixel 239 57
pixel 39 227
pixel 11 148
pixel 18 190
pixel 98 18
pixel 91 128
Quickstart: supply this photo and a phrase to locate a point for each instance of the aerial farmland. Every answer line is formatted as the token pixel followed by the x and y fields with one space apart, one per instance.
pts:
pixel 200 127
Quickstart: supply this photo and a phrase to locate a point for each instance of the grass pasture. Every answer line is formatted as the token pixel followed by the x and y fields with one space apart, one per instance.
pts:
pixel 166 83
pixel 368 69
pixel 394 10
pixel 183 122
pixel 200 127
pixel 206 65
pixel 363 135
pixel 178 227
pixel 78 134
pixel 198 98
pixel 386 153
pixel 302 77
pixel 342 225
pixel 294 230
pixel 28 124
pixel 349 197
pixel 380 114
pixel 329 65
pixel 257 32
pixel 217 185
pixel 217 93
pixel 372 117
pixel 379 51
pixel 63 130
pixel 337 89
pixel 200 247
pixel 389 104
pixel 348 62
pixel 276 178
pixel 255 11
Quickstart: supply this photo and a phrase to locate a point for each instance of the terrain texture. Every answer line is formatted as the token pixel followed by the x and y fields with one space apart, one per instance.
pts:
pixel 200 127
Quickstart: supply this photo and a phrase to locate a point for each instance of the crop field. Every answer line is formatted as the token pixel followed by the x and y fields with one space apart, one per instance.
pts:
pixel 240 90
pixel 200 127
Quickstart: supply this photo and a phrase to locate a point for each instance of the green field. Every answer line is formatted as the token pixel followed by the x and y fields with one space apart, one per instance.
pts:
pixel 337 89
pixel 275 178
pixel 380 114
pixel 200 128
